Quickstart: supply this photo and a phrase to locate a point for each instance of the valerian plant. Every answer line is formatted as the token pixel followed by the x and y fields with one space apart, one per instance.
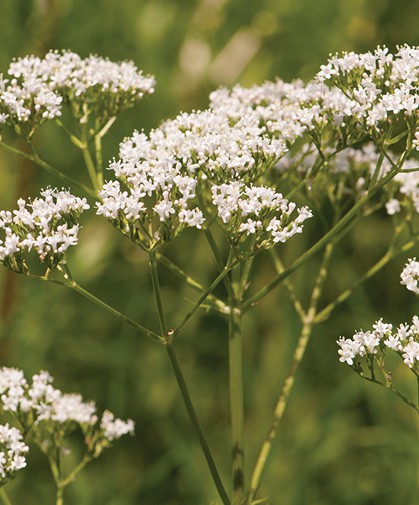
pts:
pixel 245 175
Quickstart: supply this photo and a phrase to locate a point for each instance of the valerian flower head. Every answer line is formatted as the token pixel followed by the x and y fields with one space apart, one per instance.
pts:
pixel 12 453
pixel 403 340
pixel 410 276
pixel 167 181
pixel 48 225
pixel 35 89
pixel 380 85
pixel 257 212
pixel 44 408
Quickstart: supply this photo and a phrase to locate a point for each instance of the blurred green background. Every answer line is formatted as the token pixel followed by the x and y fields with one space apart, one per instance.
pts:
pixel 342 440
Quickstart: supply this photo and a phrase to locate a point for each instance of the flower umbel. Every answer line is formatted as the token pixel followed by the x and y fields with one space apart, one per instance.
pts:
pixel 48 225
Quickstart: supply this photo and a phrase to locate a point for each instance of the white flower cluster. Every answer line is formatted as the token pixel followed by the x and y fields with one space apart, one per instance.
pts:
pixel 410 275
pixel 41 403
pixel 257 211
pixel 35 89
pixel 404 341
pixel 167 179
pixel 380 84
pixel 48 225
pixel 12 452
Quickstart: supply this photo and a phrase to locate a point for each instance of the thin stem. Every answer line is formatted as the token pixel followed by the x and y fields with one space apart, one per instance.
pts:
pixel 73 139
pixel 99 160
pixel 193 417
pixel 394 390
pixel 388 256
pixel 72 475
pixel 306 332
pixel 340 225
pixel 4 498
pixel 157 294
pixel 100 303
pixel 203 297
pixel 279 267
pixel 69 282
pixel 92 169
pixel 236 387
pixel 215 302
pixel 43 164
pixel 59 497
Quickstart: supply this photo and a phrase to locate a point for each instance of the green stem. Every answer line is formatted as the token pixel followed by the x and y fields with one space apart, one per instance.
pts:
pixel 157 294
pixel 193 417
pixel 100 303
pixel 394 390
pixel 91 170
pixel 279 267
pixel 72 475
pixel 59 497
pixel 69 282
pixel 306 332
pixel 43 164
pixel 167 336
pixel 99 160
pixel 321 243
pixel 388 256
pixel 4 498
pixel 236 387
pixel 215 302
pixel 208 291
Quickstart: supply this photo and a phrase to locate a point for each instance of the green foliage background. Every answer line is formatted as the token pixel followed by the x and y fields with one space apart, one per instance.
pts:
pixel 342 441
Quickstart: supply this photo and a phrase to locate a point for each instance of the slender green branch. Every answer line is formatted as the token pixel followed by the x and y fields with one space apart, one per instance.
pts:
pixel 100 303
pixel 99 160
pixel 209 290
pixel 91 169
pixel 74 140
pixel 388 256
pixel 73 474
pixel 43 164
pixel 168 336
pixel 104 130
pixel 157 293
pixel 69 282
pixel 192 415
pixel 321 243
pixel 236 386
pixel 391 388
pixel 279 267
pixel 306 332
pixel 215 302
pixel 4 498
pixel 59 497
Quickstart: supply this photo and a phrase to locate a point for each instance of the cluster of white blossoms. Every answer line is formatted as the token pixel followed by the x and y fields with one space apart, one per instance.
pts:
pixel 35 89
pixel 198 163
pixel 12 452
pixel 256 211
pixel 410 276
pixel 404 340
pixel 381 84
pixel 41 404
pixel 47 225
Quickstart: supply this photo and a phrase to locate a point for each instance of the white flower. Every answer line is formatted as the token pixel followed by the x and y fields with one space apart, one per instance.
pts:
pixel 46 225
pixel 410 276
pixel 37 87
pixel 115 428
pixel 12 452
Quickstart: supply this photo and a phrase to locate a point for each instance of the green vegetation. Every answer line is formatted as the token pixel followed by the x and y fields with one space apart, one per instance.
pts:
pixel 341 440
